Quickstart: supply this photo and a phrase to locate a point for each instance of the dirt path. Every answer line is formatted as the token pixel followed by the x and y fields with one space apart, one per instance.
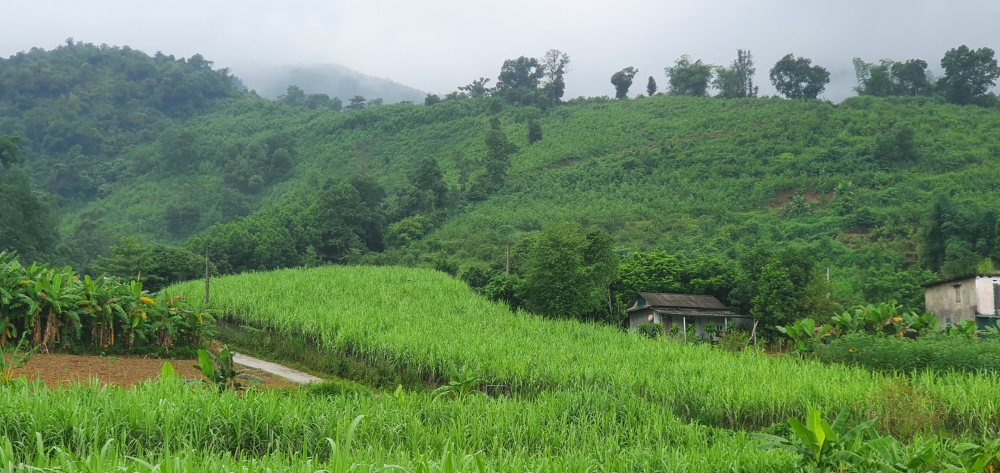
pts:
pixel 56 369
pixel 275 369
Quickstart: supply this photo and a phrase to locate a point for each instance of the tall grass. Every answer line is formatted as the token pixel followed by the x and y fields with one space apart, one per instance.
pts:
pixel 426 322
pixel 562 431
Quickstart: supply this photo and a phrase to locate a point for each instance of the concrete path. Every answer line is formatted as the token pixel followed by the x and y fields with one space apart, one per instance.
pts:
pixel 294 376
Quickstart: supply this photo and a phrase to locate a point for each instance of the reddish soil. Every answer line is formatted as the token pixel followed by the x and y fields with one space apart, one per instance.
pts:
pixel 123 371
pixel 810 196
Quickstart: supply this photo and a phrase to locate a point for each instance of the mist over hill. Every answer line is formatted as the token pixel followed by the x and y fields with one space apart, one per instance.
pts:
pixel 331 79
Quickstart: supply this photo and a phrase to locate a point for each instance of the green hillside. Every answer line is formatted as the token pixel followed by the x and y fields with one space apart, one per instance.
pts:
pixel 855 182
pixel 887 192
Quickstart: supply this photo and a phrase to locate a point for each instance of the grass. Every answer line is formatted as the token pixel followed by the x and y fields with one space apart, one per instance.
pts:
pixel 424 322
pixel 559 431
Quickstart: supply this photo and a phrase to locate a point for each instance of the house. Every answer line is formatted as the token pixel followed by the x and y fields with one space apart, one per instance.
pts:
pixel 975 298
pixel 684 310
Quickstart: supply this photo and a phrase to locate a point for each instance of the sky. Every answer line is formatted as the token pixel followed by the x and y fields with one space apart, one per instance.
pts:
pixel 437 45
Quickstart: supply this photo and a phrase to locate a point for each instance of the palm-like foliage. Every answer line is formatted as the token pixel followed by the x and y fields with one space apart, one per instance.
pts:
pixel 55 307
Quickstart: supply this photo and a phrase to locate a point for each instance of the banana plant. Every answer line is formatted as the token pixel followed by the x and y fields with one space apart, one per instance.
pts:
pixel 806 335
pixel 921 324
pixel 965 329
pixel 56 294
pixel 100 301
pixel 972 457
pixel 136 303
pixel 462 383
pixel 821 445
pixel 846 323
pixel 221 371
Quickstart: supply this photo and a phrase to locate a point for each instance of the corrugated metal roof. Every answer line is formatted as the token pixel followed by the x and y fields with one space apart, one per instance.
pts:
pixel 683 305
pixel 688 301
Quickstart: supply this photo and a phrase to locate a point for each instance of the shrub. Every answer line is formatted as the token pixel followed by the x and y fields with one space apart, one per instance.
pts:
pixel 650 330
pixel 734 340
pixel 895 354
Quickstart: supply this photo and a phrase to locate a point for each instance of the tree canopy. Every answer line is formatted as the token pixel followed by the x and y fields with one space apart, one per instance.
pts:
pixel 689 78
pixel 797 78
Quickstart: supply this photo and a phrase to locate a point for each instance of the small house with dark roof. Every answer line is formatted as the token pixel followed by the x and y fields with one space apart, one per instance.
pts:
pixel 972 297
pixel 684 310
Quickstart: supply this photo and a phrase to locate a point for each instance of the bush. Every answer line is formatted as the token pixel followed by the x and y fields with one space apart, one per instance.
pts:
pixel 650 330
pixel 894 354
pixel 734 340
pixel 336 387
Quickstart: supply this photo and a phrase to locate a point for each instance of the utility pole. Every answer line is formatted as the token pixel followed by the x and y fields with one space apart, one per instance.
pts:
pixel 828 280
pixel 208 274
pixel 508 259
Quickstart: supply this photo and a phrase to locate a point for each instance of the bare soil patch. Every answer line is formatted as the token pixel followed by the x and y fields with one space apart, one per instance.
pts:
pixel 56 369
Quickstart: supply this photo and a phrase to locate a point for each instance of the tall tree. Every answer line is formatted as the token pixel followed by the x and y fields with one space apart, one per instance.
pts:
pixel 568 272
pixel 294 96
pixel 888 78
pixel 9 150
pixel 689 78
pixel 477 88
pixel 622 80
pixel 519 79
pixel 497 160
pixel 555 65
pixel 968 74
pixel 651 86
pixel 358 102
pixel 736 81
pixel 27 223
pixel 797 78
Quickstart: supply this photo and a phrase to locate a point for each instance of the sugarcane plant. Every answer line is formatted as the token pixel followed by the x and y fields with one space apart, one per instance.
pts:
pixel 22 353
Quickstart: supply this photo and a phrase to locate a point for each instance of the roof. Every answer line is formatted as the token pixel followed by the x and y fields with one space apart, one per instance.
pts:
pixel 682 304
pixel 962 278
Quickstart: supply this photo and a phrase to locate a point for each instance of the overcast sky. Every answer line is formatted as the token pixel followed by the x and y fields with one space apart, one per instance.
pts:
pixel 436 45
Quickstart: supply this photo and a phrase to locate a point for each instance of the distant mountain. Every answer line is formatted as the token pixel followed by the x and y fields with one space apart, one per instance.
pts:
pixel 331 79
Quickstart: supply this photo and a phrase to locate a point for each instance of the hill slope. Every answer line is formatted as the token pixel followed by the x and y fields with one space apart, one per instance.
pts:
pixel 856 182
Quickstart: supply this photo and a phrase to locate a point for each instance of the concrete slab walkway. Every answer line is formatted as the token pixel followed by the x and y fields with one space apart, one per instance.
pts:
pixel 294 376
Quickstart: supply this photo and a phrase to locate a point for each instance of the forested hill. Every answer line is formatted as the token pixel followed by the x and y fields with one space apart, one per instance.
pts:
pixel 855 182
pixel 888 192
pixel 80 107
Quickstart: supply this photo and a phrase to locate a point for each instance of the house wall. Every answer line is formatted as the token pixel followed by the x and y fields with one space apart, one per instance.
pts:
pixel 985 295
pixel 699 323
pixel 942 301
pixel 641 316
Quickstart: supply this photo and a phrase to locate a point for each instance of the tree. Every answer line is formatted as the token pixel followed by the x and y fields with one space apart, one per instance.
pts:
pixel 431 99
pixel 689 78
pixel 622 80
pixel 358 102
pixel 888 78
pixel 293 97
pixel 9 150
pixel 568 272
pixel 477 88
pixel 555 65
pixel 736 81
pixel 651 86
pixel 375 102
pixel 797 78
pixel 519 79
pixel 497 160
pixel 534 132
pixel 773 286
pixel 968 74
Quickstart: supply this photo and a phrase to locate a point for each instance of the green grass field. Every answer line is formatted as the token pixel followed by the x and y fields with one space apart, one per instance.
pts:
pixel 584 397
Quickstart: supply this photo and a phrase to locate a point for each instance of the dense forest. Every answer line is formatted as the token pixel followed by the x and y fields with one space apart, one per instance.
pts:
pixel 114 160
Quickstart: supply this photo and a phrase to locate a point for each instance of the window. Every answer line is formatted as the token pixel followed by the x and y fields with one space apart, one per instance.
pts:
pixel 958 292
